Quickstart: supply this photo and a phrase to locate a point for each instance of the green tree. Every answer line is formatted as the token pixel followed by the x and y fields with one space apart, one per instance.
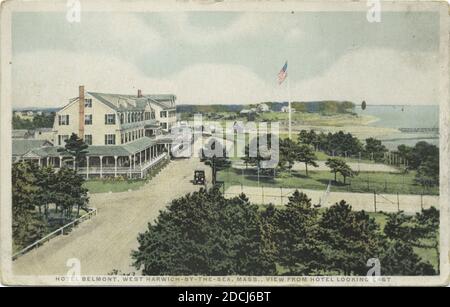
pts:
pixel 351 238
pixel 307 137
pixel 374 149
pixel 46 181
pixel 69 193
pixel 299 250
pixel 306 155
pixel 268 231
pixel 337 165
pixel 75 147
pixel 204 234
pixel 333 164
pixel 26 225
pixel 400 260
pixel 421 230
pixel 427 230
pixel 428 172
pixel 44 120
pixel 287 156
pixel 346 171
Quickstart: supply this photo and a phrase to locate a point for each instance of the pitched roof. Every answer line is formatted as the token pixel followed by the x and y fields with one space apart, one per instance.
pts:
pixel 121 102
pixel 21 147
pixel 101 150
pixel 19 133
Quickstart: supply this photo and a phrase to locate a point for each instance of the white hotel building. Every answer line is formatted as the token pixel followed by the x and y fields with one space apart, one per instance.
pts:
pixel 127 135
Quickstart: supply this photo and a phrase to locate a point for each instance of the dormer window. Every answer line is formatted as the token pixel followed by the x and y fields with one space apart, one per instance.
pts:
pixel 88 103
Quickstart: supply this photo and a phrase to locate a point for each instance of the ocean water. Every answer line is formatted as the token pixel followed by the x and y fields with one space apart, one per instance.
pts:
pixel 408 116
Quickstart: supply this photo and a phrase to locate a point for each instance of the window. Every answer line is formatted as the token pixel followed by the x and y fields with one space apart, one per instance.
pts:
pixel 110 139
pixel 88 139
pixel 63 120
pixel 62 139
pixel 121 118
pixel 163 114
pixel 88 119
pixel 164 125
pixel 88 103
pixel 110 119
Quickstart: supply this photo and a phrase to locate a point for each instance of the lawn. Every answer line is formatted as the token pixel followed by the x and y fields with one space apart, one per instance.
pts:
pixel 105 186
pixel 365 182
pixel 317 119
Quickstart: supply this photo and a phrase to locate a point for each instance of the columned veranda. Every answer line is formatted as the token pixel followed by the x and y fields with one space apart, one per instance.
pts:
pixel 130 165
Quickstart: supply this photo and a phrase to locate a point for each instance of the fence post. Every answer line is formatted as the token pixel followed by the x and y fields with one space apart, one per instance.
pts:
pixel 262 192
pixel 375 201
pixel 398 203
pixel 421 201
pixel 242 188
pixel 281 195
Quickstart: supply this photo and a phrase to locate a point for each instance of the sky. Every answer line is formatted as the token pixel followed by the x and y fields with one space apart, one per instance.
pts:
pixel 227 57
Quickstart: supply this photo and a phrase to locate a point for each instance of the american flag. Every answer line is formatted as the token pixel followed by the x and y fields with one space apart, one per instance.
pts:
pixel 282 74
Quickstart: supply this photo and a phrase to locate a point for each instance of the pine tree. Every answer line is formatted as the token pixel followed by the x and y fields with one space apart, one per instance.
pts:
pixel 351 238
pixel 204 234
pixel 305 154
pixel 299 250
pixel 75 147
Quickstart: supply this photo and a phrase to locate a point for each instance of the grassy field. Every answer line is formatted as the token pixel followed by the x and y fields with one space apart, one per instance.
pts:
pixel 105 186
pixel 318 119
pixel 389 183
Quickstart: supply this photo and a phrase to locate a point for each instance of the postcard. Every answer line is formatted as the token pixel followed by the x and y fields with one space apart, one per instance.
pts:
pixel 224 143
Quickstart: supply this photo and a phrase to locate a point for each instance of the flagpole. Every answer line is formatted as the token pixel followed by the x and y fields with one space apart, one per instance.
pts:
pixel 289 106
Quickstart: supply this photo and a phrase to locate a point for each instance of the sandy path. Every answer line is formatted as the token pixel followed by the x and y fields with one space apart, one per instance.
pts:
pixel 104 243
pixel 358 201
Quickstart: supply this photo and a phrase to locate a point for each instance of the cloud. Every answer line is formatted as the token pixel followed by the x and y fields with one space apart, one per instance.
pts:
pixel 120 34
pixel 50 78
pixel 246 25
pixel 379 76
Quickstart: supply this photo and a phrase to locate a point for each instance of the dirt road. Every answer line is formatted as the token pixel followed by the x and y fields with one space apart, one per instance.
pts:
pixel 105 242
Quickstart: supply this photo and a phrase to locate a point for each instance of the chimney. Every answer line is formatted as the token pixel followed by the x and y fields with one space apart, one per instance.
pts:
pixel 81 111
pixel 139 94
